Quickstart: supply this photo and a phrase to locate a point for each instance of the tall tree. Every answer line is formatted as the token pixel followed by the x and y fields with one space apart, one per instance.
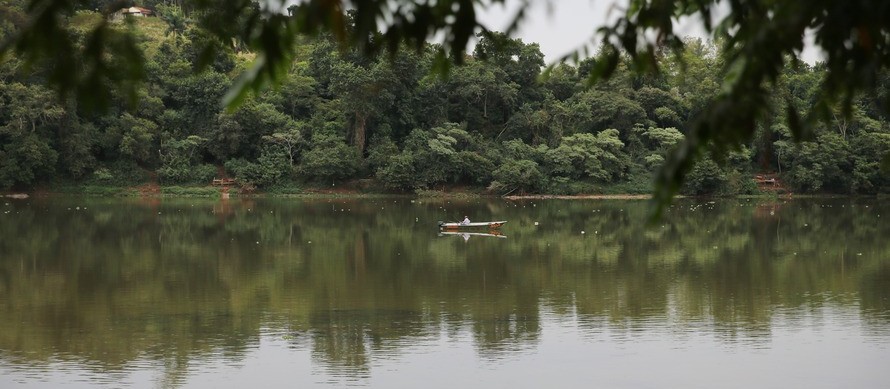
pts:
pixel 364 92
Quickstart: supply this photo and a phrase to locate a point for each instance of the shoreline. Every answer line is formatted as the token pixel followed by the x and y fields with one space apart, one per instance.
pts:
pixel 585 197
pixel 347 192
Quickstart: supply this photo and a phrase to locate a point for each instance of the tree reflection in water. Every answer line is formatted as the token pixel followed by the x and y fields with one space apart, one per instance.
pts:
pixel 111 281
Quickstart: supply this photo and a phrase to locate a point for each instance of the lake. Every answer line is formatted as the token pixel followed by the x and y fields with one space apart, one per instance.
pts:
pixel 365 292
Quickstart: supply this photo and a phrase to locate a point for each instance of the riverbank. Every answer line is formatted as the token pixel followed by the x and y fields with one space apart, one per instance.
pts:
pixel 583 196
pixel 210 191
pixel 349 189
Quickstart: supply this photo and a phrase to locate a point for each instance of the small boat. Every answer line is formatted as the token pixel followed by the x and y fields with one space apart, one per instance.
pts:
pixel 470 226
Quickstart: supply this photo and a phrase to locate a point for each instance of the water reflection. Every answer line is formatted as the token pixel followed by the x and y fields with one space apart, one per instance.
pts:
pixel 106 284
pixel 466 235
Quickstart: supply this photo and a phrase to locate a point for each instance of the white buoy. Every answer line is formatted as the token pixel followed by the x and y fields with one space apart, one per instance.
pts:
pixel 536 223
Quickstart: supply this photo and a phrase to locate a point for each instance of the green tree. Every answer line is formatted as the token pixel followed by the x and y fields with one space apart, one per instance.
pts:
pixel 138 139
pixel 561 81
pixel 329 158
pixel 289 139
pixel 521 175
pixel 823 165
pixel 180 162
pixel 520 62
pixel 481 95
pixel 241 133
pixel 658 142
pixel 593 111
pixel 598 157
pixel 29 121
pixel 444 154
pixel 364 92
pixel 271 168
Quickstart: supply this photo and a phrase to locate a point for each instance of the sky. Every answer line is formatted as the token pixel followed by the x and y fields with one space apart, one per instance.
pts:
pixel 561 26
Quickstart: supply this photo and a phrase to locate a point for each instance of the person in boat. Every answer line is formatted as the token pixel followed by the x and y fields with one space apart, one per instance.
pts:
pixel 465 221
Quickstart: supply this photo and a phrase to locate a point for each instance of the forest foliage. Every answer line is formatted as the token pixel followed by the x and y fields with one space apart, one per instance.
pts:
pixel 497 122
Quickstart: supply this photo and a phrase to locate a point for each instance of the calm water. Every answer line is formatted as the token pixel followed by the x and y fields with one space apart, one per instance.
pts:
pixel 333 293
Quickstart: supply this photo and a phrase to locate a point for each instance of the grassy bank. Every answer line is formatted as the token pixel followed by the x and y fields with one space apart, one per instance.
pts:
pixel 130 191
pixel 361 188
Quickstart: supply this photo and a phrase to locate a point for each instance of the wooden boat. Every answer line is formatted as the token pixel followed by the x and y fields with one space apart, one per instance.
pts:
pixel 470 226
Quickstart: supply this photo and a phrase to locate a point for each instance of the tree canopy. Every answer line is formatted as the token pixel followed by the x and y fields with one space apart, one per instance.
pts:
pixel 98 62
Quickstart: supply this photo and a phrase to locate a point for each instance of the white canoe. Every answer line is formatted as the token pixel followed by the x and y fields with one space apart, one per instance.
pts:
pixel 475 225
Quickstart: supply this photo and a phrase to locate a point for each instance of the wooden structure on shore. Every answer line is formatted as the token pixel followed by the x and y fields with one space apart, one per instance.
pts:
pixel 770 183
pixel 223 182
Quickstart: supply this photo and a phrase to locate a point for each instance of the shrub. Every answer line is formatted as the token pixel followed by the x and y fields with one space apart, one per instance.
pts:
pixel 706 177
pixel 522 175
pixel 190 191
pixel 399 173
pixel 329 158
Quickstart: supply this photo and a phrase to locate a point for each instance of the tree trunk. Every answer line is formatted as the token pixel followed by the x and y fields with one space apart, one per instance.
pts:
pixel 485 105
pixel 360 122
pixel 841 125
pixel 766 149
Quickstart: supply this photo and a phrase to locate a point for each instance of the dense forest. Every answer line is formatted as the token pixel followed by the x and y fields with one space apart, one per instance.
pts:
pixel 502 122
